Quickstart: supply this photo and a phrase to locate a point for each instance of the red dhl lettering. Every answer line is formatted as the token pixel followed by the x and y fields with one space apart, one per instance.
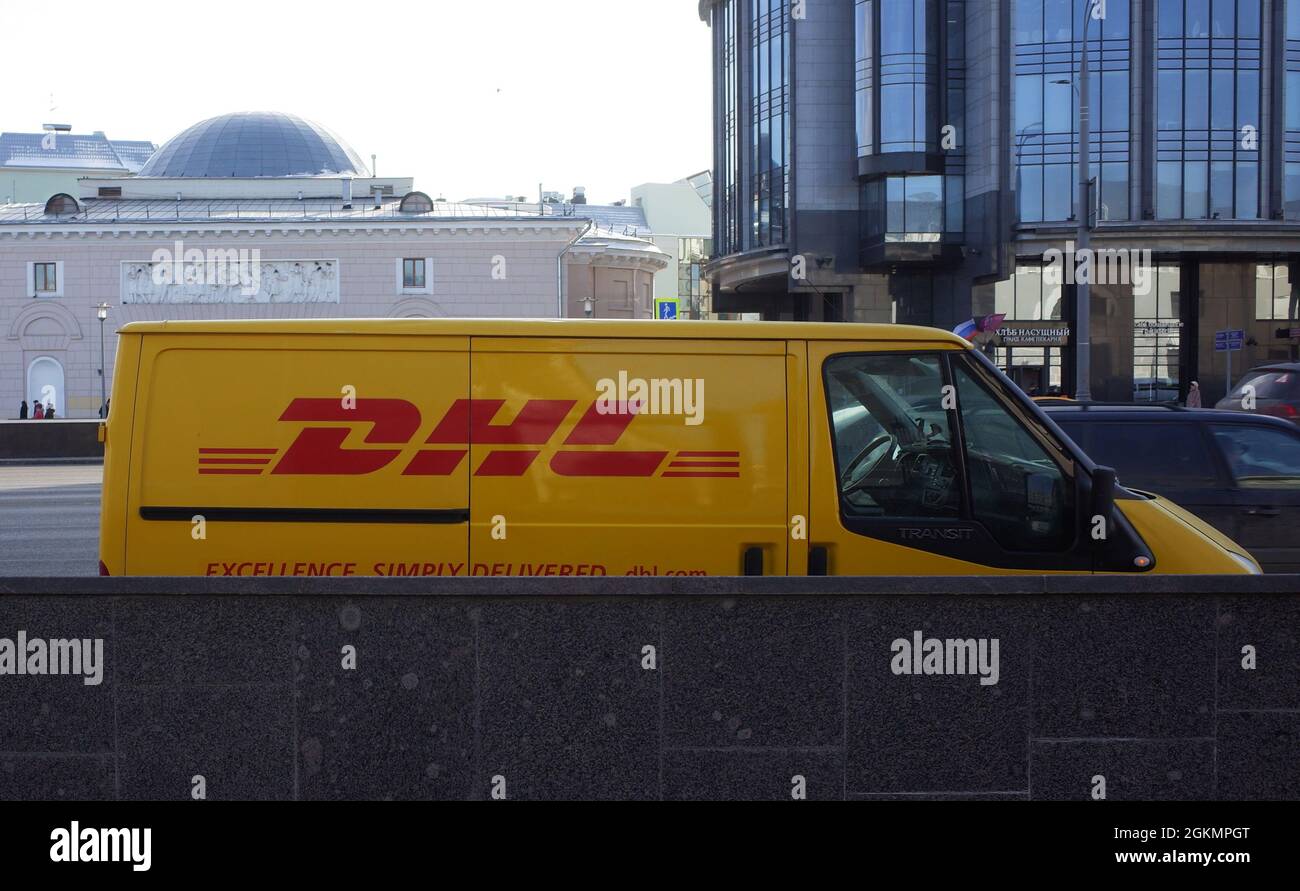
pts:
pixel 538 569
pixel 397 570
pixel 281 568
pixel 319 451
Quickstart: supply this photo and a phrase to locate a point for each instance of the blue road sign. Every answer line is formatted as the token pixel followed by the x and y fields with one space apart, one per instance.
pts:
pixel 1225 341
pixel 666 307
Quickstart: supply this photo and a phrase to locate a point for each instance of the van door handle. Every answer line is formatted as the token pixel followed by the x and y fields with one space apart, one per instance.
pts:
pixel 752 562
pixel 818 560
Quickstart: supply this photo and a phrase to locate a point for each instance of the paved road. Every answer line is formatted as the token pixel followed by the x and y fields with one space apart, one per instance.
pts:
pixel 49 519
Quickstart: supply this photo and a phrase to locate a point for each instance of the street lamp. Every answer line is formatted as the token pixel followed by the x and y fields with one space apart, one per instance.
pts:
pixel 1022 136
pixel 101 312
pixel 1083 238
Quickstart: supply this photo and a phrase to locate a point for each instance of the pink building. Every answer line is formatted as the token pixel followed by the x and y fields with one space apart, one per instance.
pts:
pixel 259 215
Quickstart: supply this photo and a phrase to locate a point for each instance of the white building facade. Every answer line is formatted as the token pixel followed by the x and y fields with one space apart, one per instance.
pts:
pixel 241 221
pixel 34 166
pixel 682 224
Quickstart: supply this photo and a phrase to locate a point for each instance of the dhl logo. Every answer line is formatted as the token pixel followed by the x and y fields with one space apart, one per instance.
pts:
pixel 319 451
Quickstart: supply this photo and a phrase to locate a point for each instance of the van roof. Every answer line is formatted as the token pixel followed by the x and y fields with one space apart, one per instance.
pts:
pixel 630 328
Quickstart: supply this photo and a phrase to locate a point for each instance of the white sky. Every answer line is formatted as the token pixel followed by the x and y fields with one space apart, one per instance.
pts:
pixel 471 97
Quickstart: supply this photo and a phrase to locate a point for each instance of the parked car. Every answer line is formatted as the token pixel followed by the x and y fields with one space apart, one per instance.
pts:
pixel 1276 389
pixel 1239 472
pixel 1155 389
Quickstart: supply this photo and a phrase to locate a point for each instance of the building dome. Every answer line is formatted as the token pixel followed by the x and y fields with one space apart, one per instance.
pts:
pixel 249 144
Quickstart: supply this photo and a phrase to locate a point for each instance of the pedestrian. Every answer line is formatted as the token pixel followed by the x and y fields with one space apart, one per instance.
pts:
pixel 22 411
pixel 103 409
pixel 38 410
pixel 1194 396
pixel 49 411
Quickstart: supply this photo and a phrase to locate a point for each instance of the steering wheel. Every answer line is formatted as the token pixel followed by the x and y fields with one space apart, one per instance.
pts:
pixel 869 458
pixel 936 477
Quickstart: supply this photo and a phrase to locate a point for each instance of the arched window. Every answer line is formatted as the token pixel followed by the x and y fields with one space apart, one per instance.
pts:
pixel 45 382
pixel 415 202
pixel 61 205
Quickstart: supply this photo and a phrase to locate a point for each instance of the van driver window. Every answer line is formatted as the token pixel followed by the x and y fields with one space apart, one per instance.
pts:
pixel 893 442
pixel 1018 492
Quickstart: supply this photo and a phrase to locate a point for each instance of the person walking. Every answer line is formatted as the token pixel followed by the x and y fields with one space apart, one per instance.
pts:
pixel 49 410
pixel 22 411
pixel 1194 396
pixel 103 409
pixel 38 410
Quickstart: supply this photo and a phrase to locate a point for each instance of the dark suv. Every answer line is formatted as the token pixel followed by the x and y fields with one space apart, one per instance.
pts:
pixel 1239 472
pixel 1275 388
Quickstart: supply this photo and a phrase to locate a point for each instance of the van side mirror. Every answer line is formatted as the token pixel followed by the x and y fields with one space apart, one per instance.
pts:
pixel 1103 492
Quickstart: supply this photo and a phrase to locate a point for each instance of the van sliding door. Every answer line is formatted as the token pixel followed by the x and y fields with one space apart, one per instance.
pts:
pixel 619 457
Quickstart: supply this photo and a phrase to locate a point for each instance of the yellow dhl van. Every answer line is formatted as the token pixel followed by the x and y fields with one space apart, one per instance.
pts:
pixel 588 448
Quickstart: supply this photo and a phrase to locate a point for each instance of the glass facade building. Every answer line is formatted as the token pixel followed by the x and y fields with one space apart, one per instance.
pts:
pixel 1048 38
pixel 910 116
pixel 692 285
pixel 770 132
pixel 1289 39
pixel 918 161
pixel 1208 101
pixel 751 93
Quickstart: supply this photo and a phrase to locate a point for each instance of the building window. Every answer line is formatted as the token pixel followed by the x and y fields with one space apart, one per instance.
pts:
pixel 727 224
pixel 412 273
pixel 1291 115
pixel 864 31
pixel 908 75
pixel 1208 109
pixel 415 275
pixel 912 208
pixel 1049 41
pixel 905 97
pixel 1276 298
pixel 1029 296
pixel 769 121
pixel 1157 335
pixel 692 286
pixel 47 279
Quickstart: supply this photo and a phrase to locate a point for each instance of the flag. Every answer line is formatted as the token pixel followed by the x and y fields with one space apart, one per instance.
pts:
pixel 967 329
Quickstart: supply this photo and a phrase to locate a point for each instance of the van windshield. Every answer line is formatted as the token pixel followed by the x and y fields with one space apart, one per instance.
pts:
pixel 894 417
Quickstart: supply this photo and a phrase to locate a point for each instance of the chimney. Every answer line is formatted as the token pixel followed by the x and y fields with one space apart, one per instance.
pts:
pixel 579 194
pixel 347 193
